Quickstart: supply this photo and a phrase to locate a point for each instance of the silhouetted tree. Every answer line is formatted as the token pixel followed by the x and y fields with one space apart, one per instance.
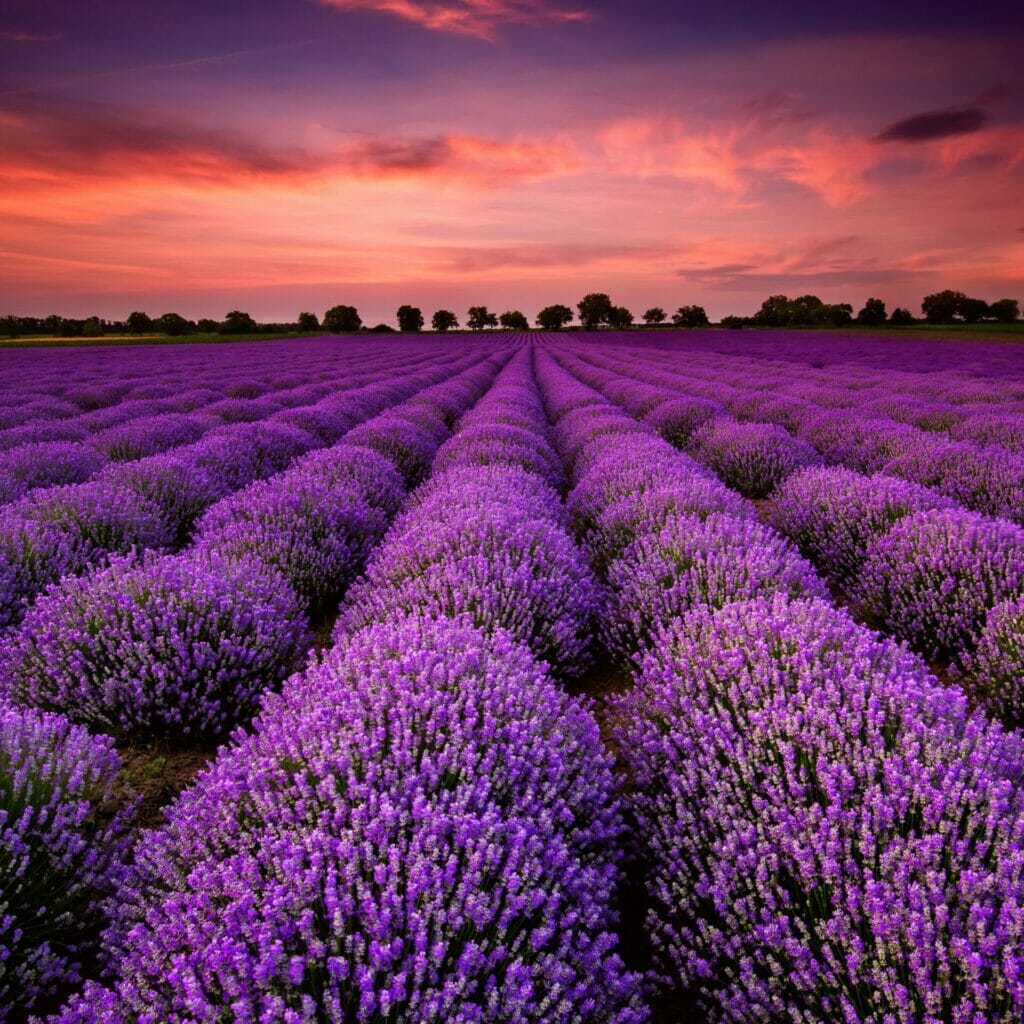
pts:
pixel 655 315
pixel 410 319
pixel 139 323
pixel 444 320
pixel 838 314
pixel 237 322
pixel 594 309
pixel 872 314
pixel 1005 310
pixel 381 329
pixel 173 324
pixel 901 317
pixel 620 318
pixel 690 316
pixel 207 325
pixel 10 326
pixel 554 318
pixel 342 320
pixel 92 327
pixel 52 323
pixel 942 307
pixel 774 312
pixel 734 323
pixel 480 317
pixel 308 323
pixel 973 310
pixel 513 320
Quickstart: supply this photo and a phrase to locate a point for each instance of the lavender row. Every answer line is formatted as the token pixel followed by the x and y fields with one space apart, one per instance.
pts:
pixel 182 646
pixel 421 827
pixel 135 429
pixel 909 560
pixel 830 833
pixel 152 504
pixel 182 643
pixel 855 432
pixel 51 386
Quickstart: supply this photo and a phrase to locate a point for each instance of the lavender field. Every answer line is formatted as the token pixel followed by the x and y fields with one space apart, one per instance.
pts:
pixel 597 677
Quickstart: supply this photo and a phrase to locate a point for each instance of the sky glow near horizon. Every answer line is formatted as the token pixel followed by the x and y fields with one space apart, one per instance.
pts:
pixel 279 155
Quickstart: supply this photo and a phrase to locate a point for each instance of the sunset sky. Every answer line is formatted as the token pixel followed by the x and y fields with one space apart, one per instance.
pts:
pixel 282 155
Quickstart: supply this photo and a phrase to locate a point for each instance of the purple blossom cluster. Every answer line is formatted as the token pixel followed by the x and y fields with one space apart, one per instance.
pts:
pixel 314 527
pixel 178 646
pixel 45 464
pixel 831 835
pixel 996 666
pixel 151 435
pixel 834 515
pixel 508 561
pixel 62 853
pixel 423 827
pixel 933 577
pixel 689 563
pixel 752 458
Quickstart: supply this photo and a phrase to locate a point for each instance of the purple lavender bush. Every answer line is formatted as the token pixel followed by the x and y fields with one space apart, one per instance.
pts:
pixel 315 534
pixel 407 445
pixel 32 556
pixel 62 853
pixel 176 646
pixel 423 828
pixel 45 464
pixel 500 566
pixel 95 519
pixel 832 836
pixel 996 666
pixel 150 435
pixel 753 458
pixel 833 515
pixel 690 563
pixel 175 487
pixel 677 419
pixel 933 577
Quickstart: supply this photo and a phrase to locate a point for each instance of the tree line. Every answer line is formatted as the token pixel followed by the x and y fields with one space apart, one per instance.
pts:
pixel 593 311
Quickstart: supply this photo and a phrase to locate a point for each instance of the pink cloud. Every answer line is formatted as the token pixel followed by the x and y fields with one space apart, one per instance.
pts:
pixel 478 18
pixel 10 35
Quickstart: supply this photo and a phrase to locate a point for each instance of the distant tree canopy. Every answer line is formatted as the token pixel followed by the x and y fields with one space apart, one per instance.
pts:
pixel 207 326
pixel 595 309
pixel 92 327
pixel 948 306
pixel 237 322
pixel 342 320
pixel 444 320
pixel 173 324
pixel 480 317
pixel 410 319
pixel 655 315
pixel 872 314
pixel 1006 311
pixel 381 329
pixel 620 318
pixel 690 316
pixel 554 318
pixel 900 317
pixel 139 323
pixel 513 320
pixel 308 322
pixel 803 311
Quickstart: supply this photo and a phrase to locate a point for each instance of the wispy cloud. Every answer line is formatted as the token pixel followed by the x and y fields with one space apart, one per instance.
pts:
pixel 13 35
pixel 478 18
pixel 935 124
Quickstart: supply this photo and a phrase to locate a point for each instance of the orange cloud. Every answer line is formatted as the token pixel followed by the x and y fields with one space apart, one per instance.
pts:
pixel 478 18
